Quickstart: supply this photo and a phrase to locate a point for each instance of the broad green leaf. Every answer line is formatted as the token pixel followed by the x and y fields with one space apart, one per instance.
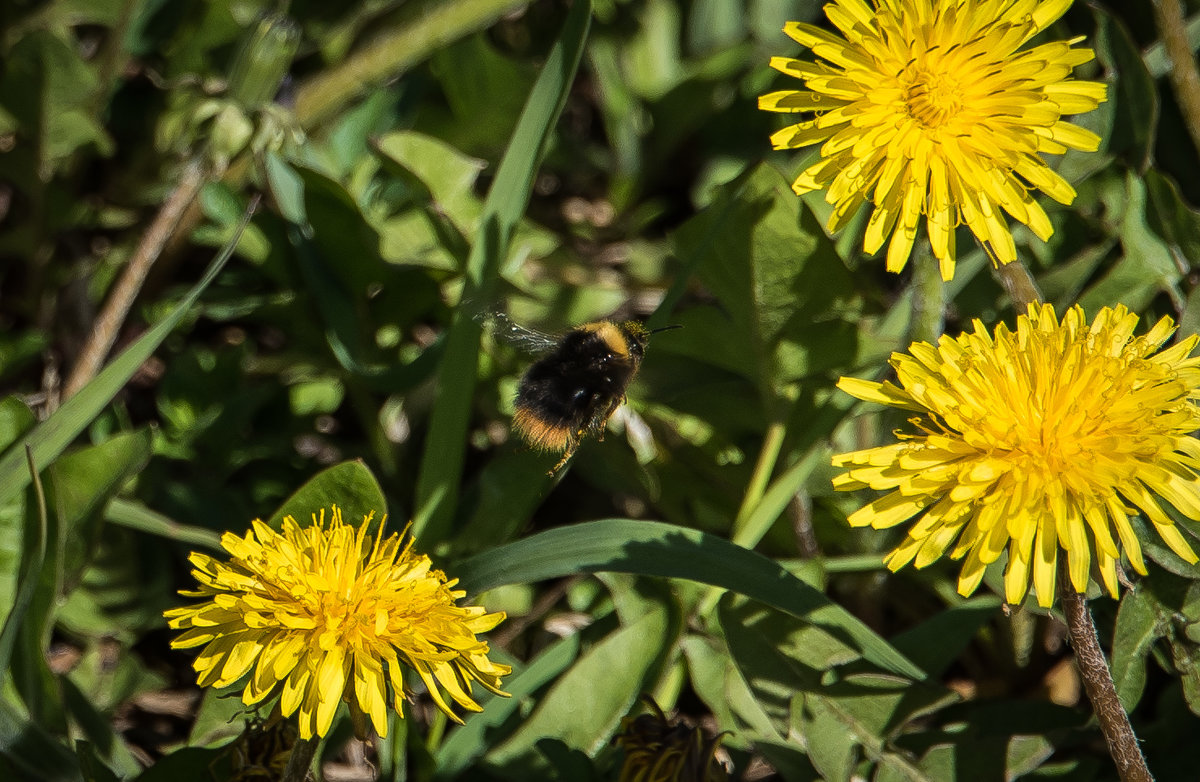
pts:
pixel 447 174
pixel 442 460
pixel 709 669
pixel 188 764
pixel 349 485
pixel 1139 625
pixel 1147 267
pixel 831 748
pixel 50 90
pixel 789 760
pixel 586 703
pixel 656 549
pixel 479 734
pixel 937 642
pixel 1132 98
pixel 30 752
pixel 82 481
pixel 783 290
pixel 287 187
pixel 23 641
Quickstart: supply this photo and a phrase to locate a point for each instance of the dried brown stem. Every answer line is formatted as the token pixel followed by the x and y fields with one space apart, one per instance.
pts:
pixel 1098 683
pixel 120 299
pixel 1185 80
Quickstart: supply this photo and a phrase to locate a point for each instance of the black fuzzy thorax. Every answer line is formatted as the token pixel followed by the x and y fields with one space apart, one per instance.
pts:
pixel 580 380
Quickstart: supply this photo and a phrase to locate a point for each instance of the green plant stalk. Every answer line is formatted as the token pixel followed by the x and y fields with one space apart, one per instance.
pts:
pixel 743 534
pixel 928 298
pixel 300 761
pixel 426 27
pixel 768 456
pixel 1089 658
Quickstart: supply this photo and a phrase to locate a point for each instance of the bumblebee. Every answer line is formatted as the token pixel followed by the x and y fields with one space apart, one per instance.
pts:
pixel 576 384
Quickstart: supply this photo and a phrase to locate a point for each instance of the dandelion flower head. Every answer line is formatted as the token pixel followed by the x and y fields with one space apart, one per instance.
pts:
pixel 326 613
pixel 660 750
pixel 1044 438
pixel 931 107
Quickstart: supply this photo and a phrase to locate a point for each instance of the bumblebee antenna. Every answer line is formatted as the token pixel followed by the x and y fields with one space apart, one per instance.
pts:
pixel 666 328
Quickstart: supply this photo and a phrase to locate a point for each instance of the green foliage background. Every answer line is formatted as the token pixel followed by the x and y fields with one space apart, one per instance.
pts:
pixel 421 162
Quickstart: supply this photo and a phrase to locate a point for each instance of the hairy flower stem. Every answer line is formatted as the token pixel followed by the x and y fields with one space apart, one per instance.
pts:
pixel 301 760
pixel 1089 658
pixel 1098 683
pixel 1018 284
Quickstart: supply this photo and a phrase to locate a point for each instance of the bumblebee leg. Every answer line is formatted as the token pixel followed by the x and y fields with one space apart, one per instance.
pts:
pixel 599 424
pixel 572 444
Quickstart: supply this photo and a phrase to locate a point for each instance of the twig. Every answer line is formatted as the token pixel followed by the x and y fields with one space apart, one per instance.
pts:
pixel 120 300
pixel 1098 683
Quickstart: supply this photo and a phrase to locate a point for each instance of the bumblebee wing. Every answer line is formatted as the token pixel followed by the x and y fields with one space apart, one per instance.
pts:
pixel 527 340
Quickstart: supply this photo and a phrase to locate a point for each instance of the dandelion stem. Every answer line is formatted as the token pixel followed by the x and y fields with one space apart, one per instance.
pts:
pixel 1018 284
pixel 928 298
pixel 1098 683
pixel 301 760
pixel 1089 658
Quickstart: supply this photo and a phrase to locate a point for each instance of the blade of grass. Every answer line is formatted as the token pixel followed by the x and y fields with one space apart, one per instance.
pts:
pixel 442 460
pixel 136 516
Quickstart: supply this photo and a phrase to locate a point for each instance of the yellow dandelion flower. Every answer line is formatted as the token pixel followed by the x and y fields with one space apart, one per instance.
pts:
pixel 1048 437
pixel 931 107
pixel 326 613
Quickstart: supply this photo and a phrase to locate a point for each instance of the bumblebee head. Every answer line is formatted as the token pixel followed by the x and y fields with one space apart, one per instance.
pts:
pixel 637 336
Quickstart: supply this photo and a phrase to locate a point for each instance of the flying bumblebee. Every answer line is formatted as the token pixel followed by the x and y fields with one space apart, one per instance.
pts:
pixel 577 383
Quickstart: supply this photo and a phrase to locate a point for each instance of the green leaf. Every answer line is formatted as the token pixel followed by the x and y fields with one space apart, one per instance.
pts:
pixel 1132 98
pixel 82 481
pixel 189 764
pixel 349 485
pixel 442 460
pixel 1139 625
pixel 287 187
pixel 783 289
pixel 656 549
pixel 1147 266
pixel 50 437
pixel 480 732
pixel 444 172
pixel 586 704
pixel 23 663
pixel 50 90
pixel 31 752
pixel 136 516
pixel 936 643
